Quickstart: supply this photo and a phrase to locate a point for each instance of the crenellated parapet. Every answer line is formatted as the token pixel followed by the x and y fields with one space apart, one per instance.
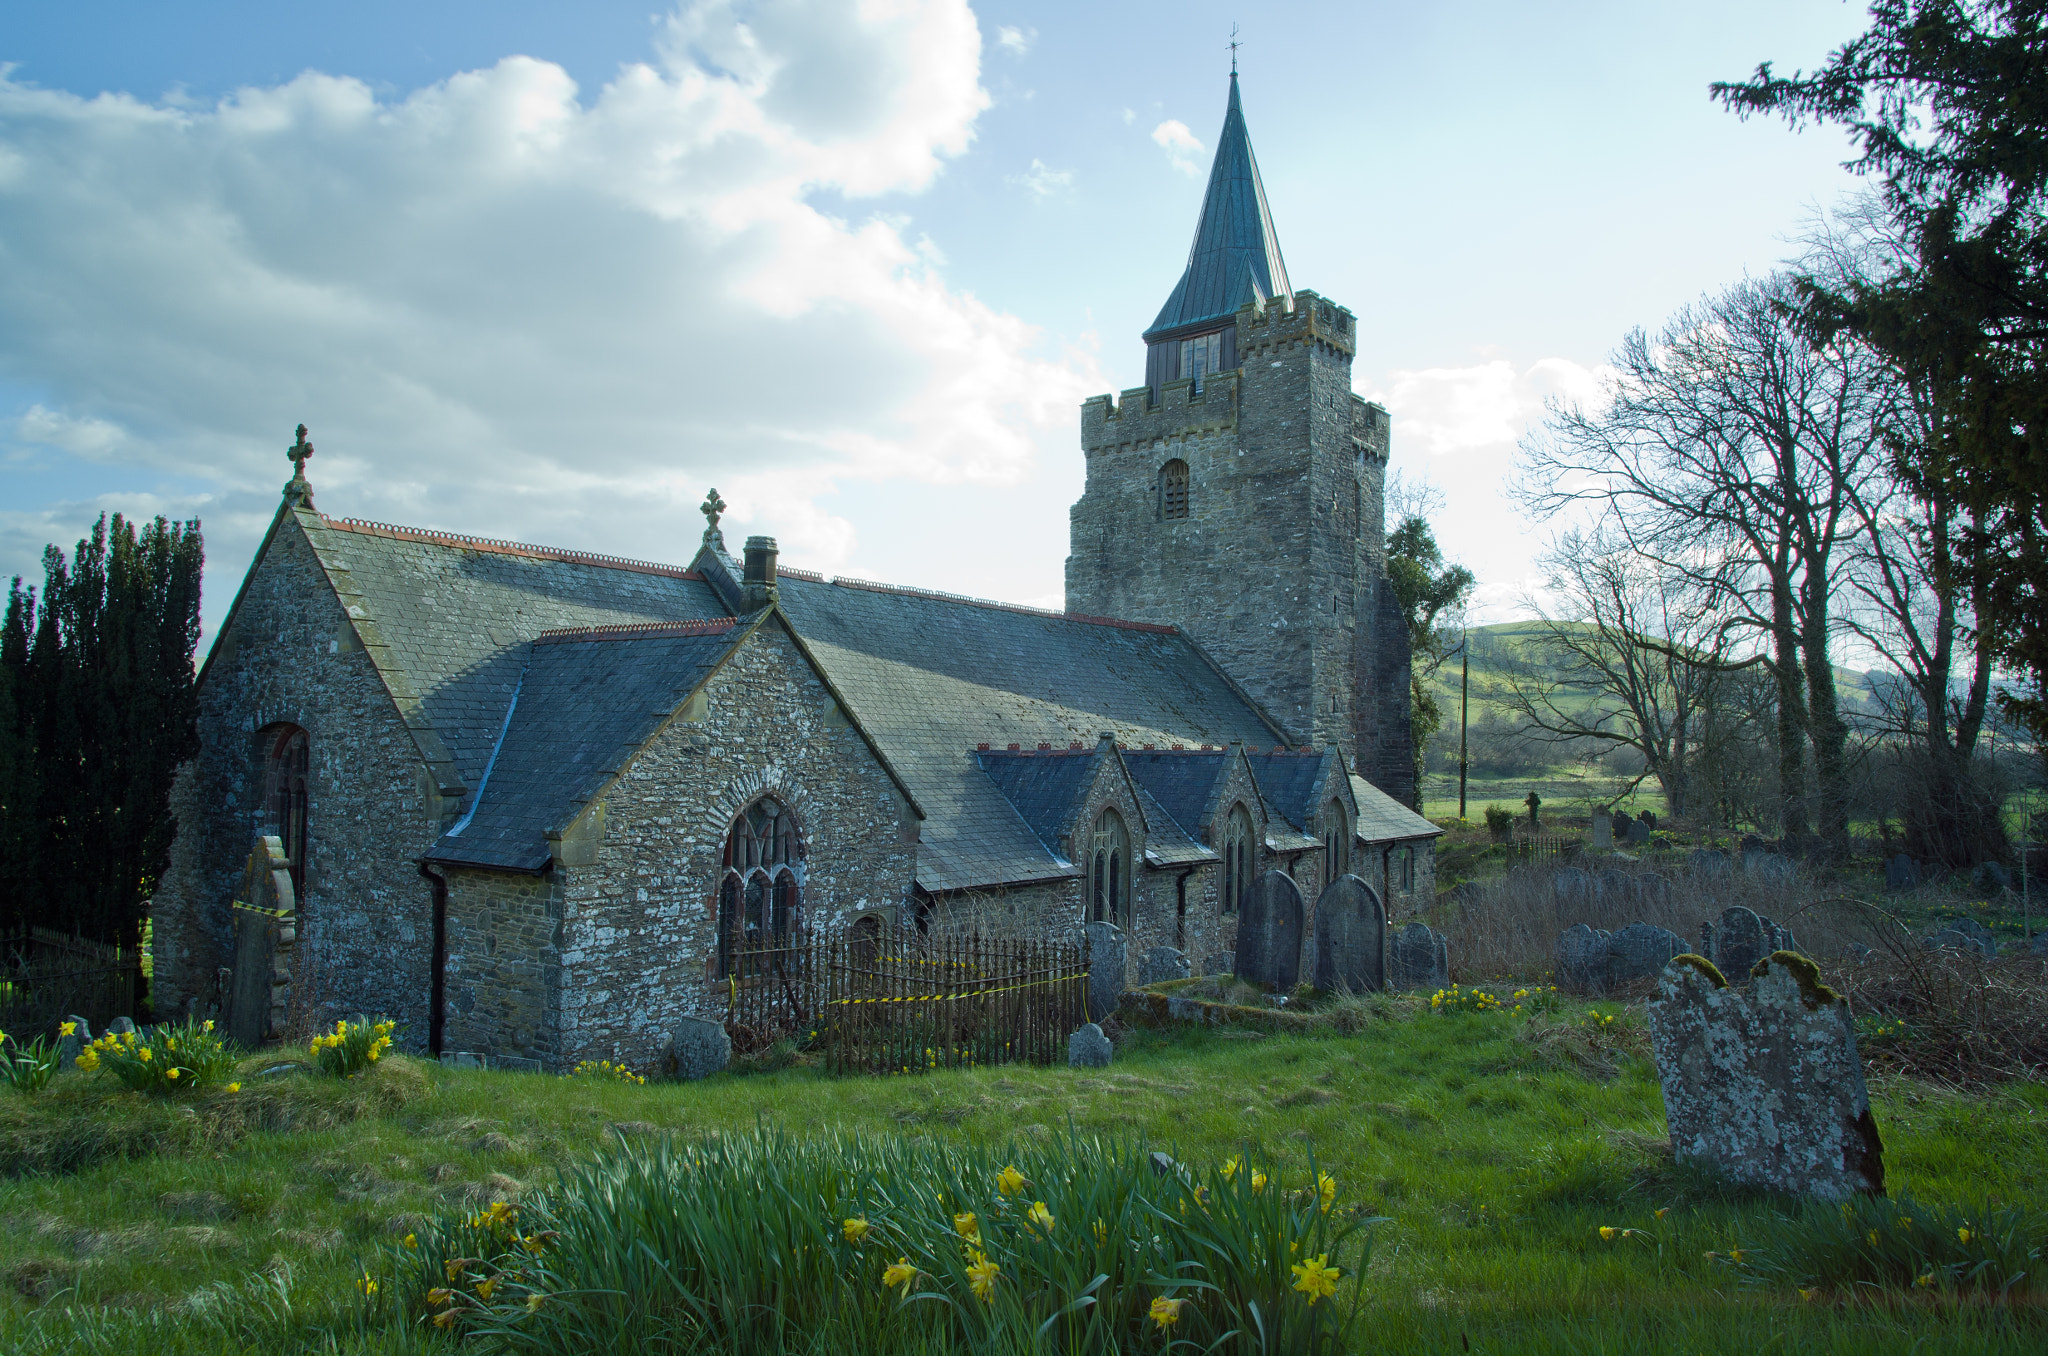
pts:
pixel 1263 331
pixel 1182 411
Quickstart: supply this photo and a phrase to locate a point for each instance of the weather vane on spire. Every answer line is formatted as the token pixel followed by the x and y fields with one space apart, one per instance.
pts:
pixel 298 490
pixel 1234 45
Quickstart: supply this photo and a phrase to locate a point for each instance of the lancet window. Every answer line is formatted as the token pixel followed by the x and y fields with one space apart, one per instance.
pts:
pixel 1238 857
pixel 1109 871
pixel 1336 841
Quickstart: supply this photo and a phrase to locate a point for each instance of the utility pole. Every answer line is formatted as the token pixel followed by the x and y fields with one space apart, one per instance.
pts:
pixel 1464 709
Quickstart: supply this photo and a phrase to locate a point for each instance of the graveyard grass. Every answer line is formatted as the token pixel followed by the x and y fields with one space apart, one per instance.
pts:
pixel 1499 1145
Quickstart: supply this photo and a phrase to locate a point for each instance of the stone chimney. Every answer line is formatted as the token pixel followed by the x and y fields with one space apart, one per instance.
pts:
pixel 758 581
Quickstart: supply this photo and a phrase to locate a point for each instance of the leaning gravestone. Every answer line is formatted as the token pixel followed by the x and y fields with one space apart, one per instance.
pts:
pixel 259 987
pixel 1900 873
pixel 1105 969
pixel 1350 938
pixel 1269 933
pixel 1418 957
pixel 1089 1048
pixel 1580 950
pixel 699 1048
pixel 1766 1088
pixel 1160 964
pixel 1638 951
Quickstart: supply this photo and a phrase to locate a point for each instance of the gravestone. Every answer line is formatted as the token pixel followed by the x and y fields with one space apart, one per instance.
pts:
pixel 1573 886
pixel 1652 888
pixel 1736 943
pixel 1160 964
pixel 1901 874
pixel 1418 957
pixel 1350 938
pixel 1638 833
pixel 1708 862
pixel 121 1026
pixel 1766 1087
pixel 1638 951
pixel 450 1059
pixel 260 988
pixel 1616 887
pixel 1602 836
pixel 1105 969
pixel 70 1047
pixel 1269 933
pixel 1766 865
pixel 1580 953
pixel 1088 1048
pixel 1649 818
pixel 1963 934
pixel 1989 878
pixel 1222 963
pixel 1623 822
pixel 699 1048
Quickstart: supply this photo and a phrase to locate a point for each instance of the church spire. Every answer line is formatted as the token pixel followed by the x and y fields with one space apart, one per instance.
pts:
pixel 1236 254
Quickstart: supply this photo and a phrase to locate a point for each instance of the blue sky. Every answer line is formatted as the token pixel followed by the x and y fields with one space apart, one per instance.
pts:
pixel 546 272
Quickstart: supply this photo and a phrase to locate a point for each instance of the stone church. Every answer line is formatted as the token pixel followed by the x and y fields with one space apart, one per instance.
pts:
pixel 530 800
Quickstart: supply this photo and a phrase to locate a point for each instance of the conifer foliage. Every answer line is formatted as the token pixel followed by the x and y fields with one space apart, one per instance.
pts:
pixel 97 710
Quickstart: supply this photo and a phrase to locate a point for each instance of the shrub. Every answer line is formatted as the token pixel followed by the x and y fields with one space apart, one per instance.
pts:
pixel 28 1068
pixel 760 1241
pixel 352 1046
pixel 606 1072
pixel 164 1058
pixel 1500 821
pixel 1896 1243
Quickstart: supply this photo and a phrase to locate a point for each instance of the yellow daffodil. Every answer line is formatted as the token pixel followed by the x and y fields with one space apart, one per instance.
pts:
pixel 1230 1166
pixel 66 1029
pixel 445 1319
pixel 439 1296
pixel 485 1286
pixel 856 1229
pixel 981 1275
pixel 968 1227
pixel 1258 1181
pixel 172 1074
pixel 1661 1213
pixel 1873 1238
pixel 1963 1235
pixel 412 1240
pixel 1166 1312
pixel 1326 1188
pixel 234 1087
pixel 1040 1216
pixel 367 1284
pixel 1807 1295
pixel 145 1053
pixel 1607 1232
pixel 1735 1256
pixel 1316 1278
pixel 1101 1232
pixel 500 1212
pixel 533 1302
pixel 1926 1278
pixel 455 1266
pixel 900 1275
pixel 1010 1181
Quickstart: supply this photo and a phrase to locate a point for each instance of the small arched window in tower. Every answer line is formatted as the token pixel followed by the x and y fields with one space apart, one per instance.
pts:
pixel 1109 871
pixel 1336 841
pixel 759 895
pixel 287 768
pixel 1238 857
pixel 1173 489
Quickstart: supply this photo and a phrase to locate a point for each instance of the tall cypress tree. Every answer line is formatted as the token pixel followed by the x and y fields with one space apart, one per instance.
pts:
pixel 97 710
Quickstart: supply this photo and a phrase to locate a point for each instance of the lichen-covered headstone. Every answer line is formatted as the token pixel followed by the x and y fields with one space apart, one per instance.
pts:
pixel 1649 818
pixel 1418 957
pixel 2038 947
pixel 121 1026
pixel 1580 956
pixel 1765 1086
pixel 1350 938
pixel 1089 1048
pixel 1269 933
pixel 1222 963
pixel 1105 969
pixel 1739 941
pixel 1900 873
pixel 1160 964
pixel 700 1048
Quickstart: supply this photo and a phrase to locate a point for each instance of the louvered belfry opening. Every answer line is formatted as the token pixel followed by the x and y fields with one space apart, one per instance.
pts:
pixel 1173 489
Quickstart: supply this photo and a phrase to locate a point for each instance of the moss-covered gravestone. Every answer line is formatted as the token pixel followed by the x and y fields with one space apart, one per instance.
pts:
pixel 1765 1086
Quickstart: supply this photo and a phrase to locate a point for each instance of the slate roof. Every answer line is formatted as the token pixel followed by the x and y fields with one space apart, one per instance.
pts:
pixel 1236 255
pixel 446 617
pixel 1180 781
pixel 930 677
pixel 1383 819
pixel 1287 780
pixel 1043 787
pixel 586 703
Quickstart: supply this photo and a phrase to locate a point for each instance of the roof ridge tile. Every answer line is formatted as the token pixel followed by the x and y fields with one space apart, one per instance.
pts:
pixel 511 548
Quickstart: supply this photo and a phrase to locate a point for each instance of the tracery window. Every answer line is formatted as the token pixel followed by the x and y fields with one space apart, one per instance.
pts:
pixel 1109 870
pixel 1173 489
pixel 1238 857
pixel 287 768
pixel 1336 841
pixel 759 895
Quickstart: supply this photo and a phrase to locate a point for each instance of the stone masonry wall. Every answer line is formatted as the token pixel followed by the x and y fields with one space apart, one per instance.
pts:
pixel 503 961
pixel 639 927
pixel 365 943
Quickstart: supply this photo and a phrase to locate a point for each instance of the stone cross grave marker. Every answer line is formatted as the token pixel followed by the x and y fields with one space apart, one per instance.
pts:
pixel 1350 938
pixel 1105 969
pixel 1767 1086
pixel 1269 933
pixel 259 989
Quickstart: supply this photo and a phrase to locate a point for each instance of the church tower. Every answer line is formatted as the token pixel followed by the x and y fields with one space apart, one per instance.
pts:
pixel 1237 493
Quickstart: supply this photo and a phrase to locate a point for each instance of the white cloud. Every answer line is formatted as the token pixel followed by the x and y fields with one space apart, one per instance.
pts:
pixel 1042 181
pixel 1130 116
pixel 1451 410
pixel 1016 41
pixel 514 310
pixel 1180 144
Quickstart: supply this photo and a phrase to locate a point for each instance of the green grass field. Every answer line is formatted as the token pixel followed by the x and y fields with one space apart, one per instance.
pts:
pixel 1497 1145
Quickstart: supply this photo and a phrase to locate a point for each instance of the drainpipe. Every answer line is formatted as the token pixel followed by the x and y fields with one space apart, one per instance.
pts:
pixel 438 986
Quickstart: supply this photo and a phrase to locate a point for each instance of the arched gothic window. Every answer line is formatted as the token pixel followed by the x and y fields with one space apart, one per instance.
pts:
pixel 759 900
pixel 1173 489
pixel 1239 854
pixel 1336 841
pixel 1109 871
pixel 287 767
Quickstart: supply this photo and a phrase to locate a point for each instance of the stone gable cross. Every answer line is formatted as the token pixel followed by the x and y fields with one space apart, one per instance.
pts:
pixel 711 508
pixel 299 490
